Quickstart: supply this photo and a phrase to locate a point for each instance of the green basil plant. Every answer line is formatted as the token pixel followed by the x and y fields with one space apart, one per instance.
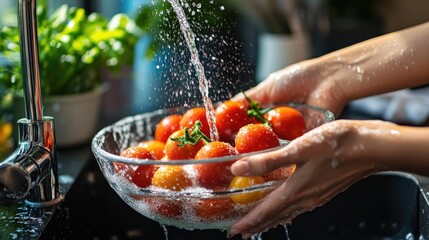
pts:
pixel 73 48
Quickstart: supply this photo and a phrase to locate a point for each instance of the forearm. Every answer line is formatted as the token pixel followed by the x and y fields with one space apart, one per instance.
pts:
pixel 387 63
pixel 396 148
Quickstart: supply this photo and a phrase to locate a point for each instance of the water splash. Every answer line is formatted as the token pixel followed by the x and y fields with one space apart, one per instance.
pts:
pixel 199 69
pixel 165 231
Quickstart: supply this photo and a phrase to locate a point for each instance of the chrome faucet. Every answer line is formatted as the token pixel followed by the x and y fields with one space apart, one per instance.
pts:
pixel 30 172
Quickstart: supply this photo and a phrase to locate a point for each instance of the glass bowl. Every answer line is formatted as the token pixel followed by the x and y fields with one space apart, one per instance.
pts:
pixel 192 207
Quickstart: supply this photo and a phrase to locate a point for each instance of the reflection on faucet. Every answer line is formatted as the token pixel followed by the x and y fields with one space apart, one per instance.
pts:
pixel 31 171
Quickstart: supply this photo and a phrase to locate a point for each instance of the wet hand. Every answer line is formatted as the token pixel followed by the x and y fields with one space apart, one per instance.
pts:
pixel 328 159
pixel 304 82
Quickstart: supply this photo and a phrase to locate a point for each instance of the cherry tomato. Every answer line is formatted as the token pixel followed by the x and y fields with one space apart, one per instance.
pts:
pixel 171 208
pixel 127 170
pixel 243 182
pixel 142 175
pixel 174 151
pixel 230 117
pixel 214 209
pixel 174 178
pixel 287 122
pixel 166 127
pixel 155 147
pixel 190 117
pixel 211 175
pixel 255 137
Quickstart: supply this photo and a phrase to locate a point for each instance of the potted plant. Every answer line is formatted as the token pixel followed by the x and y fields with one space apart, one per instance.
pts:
pixel 74 48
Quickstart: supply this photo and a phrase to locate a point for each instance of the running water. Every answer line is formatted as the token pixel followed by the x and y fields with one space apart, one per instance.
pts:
pixel 199 69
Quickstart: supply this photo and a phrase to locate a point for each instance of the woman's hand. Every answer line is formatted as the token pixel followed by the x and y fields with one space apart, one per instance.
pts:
pixel 346 152
pixel 304 82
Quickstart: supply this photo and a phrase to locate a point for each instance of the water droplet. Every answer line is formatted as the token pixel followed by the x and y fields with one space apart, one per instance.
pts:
pixel 335 163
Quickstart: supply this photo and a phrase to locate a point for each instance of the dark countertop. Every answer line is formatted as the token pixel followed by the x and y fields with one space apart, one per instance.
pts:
pixel 18 221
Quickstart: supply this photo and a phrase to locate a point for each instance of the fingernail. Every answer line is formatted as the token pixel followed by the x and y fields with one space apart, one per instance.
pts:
pixel 241 168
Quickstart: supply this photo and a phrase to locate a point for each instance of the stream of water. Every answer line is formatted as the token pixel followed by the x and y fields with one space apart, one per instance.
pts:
pixel 199 68
pixel 202 80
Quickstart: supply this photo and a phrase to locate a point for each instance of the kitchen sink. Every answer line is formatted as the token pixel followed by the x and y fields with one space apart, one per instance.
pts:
pixel 381 206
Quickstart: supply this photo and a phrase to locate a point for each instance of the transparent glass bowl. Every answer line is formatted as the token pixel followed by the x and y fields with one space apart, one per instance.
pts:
pixel 190 208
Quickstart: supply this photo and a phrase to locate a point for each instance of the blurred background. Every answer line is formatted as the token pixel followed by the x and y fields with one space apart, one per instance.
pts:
pixel 238 42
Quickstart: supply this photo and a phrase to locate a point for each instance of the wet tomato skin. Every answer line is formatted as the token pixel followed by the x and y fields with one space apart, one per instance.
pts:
pixel 166 127
pixel 287 122
pixel 214 209
pixel 173 150
pixel 190 117
pixel 170 208
pixel 171 177
pixel 213 175
pixel 255 137
pixel 230 117
pixel 240 182
pixel 142 176
pixel 155 147
pixel 138 152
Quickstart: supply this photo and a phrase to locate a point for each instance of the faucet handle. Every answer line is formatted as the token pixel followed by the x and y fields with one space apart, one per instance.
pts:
pixel 15 182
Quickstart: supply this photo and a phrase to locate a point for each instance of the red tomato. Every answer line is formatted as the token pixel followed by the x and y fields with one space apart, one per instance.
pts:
pixel 166 127
pixel 255 137
pixel 142 176
pixel 193 115
pixel 165 207
pixel 127 170
pixel 211 175
pixel 287 122
pixel 155 147
pixel 230 117
pixel 174 151
pixel 214 209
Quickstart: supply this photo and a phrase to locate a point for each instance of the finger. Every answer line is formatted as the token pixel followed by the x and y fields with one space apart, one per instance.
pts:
pixel 263 163
pixel 256 94
pixel 261 216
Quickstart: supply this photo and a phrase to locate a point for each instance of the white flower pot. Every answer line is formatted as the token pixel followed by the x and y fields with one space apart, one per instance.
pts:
pixel 76 116
pixel 276 51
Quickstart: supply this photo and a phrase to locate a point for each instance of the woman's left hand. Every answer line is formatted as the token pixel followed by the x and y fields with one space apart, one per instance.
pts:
pixel 328 160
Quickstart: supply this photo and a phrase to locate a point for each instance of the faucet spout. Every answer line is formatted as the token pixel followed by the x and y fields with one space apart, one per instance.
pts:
pixel 31 171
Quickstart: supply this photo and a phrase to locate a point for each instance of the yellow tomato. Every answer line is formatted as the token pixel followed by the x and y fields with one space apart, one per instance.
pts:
pixel 244 182
pixel 174 178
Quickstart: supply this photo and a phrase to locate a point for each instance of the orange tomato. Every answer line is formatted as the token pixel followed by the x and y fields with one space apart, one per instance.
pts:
pixel 174 178
pixel 243 182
